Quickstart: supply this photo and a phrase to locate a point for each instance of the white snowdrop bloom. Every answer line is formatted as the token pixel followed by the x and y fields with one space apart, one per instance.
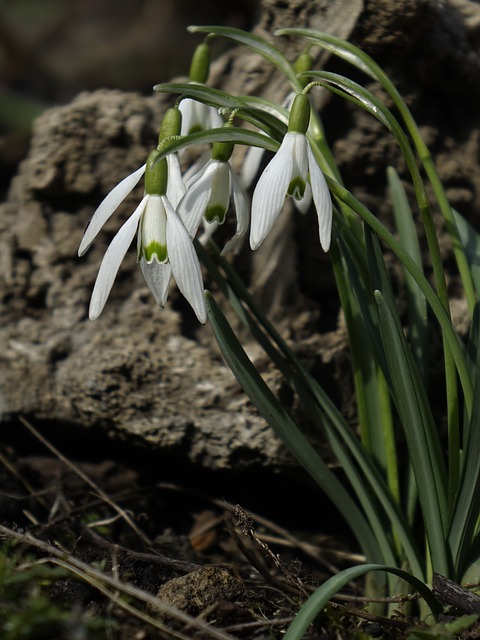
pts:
pixel 254 155
pixel 197 116
pixel 208 197
pixel 164 245
pixel 293 171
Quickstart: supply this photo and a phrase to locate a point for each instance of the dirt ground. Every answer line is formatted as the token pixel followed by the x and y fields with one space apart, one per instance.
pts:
pixel 172 536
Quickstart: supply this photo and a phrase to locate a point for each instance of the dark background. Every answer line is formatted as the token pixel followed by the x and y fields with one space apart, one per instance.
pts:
pixel 50 50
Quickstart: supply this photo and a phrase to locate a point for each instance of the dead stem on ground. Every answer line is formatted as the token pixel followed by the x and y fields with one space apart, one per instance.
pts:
pixel 275 587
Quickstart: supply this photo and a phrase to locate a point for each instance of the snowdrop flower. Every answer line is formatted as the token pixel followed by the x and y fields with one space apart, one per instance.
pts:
pixel 198 116
pixel 164 246
pixel 289 173
pixel 208 196
pixel 254 155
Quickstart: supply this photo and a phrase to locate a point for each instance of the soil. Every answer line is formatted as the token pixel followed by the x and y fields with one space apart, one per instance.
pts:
pixel 197 550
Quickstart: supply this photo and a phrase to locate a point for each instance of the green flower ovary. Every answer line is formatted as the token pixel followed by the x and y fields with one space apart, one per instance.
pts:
pixel 299 114
pixel 156 175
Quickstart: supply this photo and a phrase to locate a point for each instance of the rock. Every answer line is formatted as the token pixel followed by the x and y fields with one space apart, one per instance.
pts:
pixel 151 375
pixel 200 589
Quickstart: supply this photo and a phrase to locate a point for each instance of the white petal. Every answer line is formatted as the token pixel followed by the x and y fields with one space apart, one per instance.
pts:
pixel 322 201
pixel 184 262
pixel 242 210
pixel 300 159
pixel 112 260
pixel 270 192
pixel 108 206
pixel 209 229
pixel 186 107
pixel 251 165
pixel 175 185
pixel 219 200
pixel 196 116
pixel 215 120
pixel 157 276
pixel 254 155
pixel 153 231
pixel 192 206
pixel 304 204
pixel 191 174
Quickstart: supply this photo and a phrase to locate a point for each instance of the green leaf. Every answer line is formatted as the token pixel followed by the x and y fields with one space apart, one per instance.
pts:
pixel 365 479
pixel 354 92
pixel 471 243
pixel 276 416
pixel 417 305
pixel 235 135
pixel 317 602
pixel 435 304
pixel 341 48
pixel 420 433
pixel 251 111
pixel 467 505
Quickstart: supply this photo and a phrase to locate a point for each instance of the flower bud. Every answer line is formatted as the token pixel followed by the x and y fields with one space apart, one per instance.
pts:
pixel 200 65
pixel 304 62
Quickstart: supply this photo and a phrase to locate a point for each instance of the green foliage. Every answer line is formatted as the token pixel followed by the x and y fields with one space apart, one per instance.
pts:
pixel 411 500
pixel 444 630
pixel 26 610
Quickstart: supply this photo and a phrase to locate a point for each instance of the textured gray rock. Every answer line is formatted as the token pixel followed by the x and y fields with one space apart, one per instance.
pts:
pixel 153 375
pixel 132 372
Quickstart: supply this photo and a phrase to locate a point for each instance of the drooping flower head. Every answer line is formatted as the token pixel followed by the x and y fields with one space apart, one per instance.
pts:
pixel 254 155
pixel 164 245
pixel 292 171
pixel 209 193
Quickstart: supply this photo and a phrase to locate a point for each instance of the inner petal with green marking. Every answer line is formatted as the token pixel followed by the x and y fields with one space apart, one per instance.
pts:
pixel 219 201
pixel 215 212
pixel 296 188
pixel 153 231
pixel 155 251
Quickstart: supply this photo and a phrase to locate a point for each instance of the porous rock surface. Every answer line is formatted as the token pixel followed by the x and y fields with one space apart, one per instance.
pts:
pixel 152 375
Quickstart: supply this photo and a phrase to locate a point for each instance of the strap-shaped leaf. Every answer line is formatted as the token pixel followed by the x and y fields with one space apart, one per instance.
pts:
pixel 417 305
pixel 236 135
pixel 317 602
pixel 276 416
pixel 355 56
pixel 471 243
pixel 249 110
pixel 465 519
pixel 419 429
